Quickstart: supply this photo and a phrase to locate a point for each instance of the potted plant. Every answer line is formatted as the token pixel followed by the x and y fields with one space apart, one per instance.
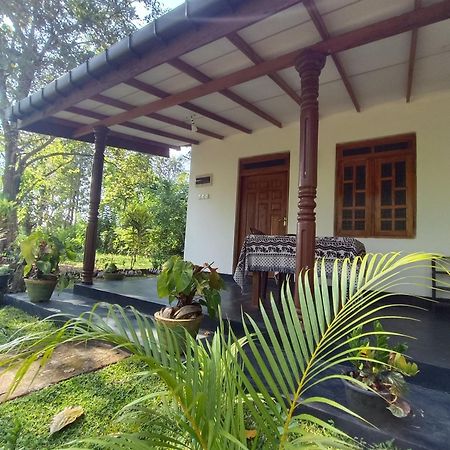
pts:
pixel 112 272
pixel 42 253
pixel 190 286
pixel 5 273
pixel 380 370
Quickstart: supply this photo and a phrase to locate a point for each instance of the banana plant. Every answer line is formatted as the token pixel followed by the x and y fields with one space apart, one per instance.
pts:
pixel 248 392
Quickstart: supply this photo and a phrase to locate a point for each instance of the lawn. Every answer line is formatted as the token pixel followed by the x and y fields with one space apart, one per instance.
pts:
pixel 102 394
pixel 121 261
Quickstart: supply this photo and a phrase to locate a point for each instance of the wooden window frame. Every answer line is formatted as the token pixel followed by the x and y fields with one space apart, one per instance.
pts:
pixel 369 153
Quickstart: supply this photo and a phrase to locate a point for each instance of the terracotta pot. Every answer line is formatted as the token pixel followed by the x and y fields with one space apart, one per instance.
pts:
pixel 113 276
pixel 40 290
pixel 192 326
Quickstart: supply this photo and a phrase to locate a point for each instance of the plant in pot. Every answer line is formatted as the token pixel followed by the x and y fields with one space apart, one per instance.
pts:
pixel 5 273
pixel 190 286
pixel 112 272
pixel 380 369
pixel 42 253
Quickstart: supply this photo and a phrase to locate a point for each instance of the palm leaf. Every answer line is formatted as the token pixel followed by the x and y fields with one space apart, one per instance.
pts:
pixel 321 340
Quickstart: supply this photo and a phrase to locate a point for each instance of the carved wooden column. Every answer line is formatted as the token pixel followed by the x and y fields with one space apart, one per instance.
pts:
pixel 90 243
pixel 309 66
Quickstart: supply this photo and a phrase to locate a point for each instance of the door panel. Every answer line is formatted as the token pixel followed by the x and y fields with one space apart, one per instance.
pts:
pixel 264 200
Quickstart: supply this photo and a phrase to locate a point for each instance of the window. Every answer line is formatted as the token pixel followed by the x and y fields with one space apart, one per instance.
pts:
pixel 376 187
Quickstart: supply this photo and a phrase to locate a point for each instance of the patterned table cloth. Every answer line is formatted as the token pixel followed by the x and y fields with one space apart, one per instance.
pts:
pixel 266 253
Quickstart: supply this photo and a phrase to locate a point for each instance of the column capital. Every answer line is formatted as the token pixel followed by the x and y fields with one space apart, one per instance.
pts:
pixel 310 60
pixel 100 131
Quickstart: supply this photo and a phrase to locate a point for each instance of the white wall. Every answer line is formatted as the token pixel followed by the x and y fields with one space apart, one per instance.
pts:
pixel 211 222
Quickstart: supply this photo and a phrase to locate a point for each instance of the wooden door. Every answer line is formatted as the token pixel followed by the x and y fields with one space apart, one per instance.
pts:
pixel 263 198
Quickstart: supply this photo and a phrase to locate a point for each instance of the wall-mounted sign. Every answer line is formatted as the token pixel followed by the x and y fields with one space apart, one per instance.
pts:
pixel 203 180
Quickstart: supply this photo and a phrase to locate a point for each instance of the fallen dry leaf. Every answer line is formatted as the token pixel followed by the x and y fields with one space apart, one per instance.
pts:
pixel 250 434
pixel 65 417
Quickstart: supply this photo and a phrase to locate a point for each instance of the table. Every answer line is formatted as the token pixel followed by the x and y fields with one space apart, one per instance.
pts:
pixel 273 253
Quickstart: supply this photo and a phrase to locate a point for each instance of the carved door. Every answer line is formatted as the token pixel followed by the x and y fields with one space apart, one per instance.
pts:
pixel 263 202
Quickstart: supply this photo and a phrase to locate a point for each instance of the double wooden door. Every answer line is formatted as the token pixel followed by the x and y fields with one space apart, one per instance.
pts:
pixel 263 201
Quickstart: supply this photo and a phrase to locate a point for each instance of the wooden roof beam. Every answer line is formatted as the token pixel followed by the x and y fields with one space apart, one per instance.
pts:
pixel 203 78
pixel 128 107
pixel 243 15
pixel 325 35
pixel 412 56
pixel 248 51
pixel 64 128
pixel 134 126
pixel 155 116
pixel 351 39
pixel 190 106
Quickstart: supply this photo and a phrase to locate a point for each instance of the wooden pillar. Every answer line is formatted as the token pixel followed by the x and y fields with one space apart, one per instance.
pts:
pixel 309 65
pixel 90 243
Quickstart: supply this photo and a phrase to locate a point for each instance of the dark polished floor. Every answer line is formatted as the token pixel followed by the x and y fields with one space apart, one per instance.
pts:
pixel 430 328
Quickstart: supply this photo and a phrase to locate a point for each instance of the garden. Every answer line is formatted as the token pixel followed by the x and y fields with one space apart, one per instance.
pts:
pixel 222 391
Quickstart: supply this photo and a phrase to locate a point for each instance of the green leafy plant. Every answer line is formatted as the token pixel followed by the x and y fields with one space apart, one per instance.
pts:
pixel 190 286
pixel 5 270
pixel 243 393
pixel 111 268
pixel 42 253
pixel 382 366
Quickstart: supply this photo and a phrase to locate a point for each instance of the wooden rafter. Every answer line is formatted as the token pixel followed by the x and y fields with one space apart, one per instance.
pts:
pixel 242 15
pixel 132 125
pixel 190 106
pixel 193 72
pixel 56 126
pixel 355 38
pixel 161 118
pixel 412 56
pixel 325 35
pixel 248 51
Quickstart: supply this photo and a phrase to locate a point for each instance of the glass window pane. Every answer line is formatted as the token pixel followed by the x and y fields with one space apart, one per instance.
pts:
pixel 360 199
pixel 400 174
pixel 400 225
pixel 347 225
pixel 359 225
pixel 400 213
pixel 400 197
pixel 348 194
pixel 347 214
pixel 360 177
pixel 348 173
pixel 360 214
pixel 386 170
pixel 386 225
pixel 386 192
pixel 386 213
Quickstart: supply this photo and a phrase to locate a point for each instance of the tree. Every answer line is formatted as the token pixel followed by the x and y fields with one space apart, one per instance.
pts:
pixel 134 230
pixel 41 40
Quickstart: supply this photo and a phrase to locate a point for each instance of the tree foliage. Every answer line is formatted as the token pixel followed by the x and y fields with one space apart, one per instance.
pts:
pixel 41 40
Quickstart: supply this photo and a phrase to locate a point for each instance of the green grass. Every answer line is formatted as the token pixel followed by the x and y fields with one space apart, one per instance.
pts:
pixel 121 261
pixel 15 323
pixel 102 394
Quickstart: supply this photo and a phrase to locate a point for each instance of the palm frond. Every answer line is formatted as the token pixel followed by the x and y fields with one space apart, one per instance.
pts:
pixel 304 350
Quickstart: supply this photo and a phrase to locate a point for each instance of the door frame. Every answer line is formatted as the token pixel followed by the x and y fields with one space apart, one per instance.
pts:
pixel 244 171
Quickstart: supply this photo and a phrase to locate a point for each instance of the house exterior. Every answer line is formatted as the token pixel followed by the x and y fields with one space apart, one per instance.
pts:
pixel 313 117
pixel 210 232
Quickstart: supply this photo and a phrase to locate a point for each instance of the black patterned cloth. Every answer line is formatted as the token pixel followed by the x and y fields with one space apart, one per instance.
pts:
pixel 266 253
